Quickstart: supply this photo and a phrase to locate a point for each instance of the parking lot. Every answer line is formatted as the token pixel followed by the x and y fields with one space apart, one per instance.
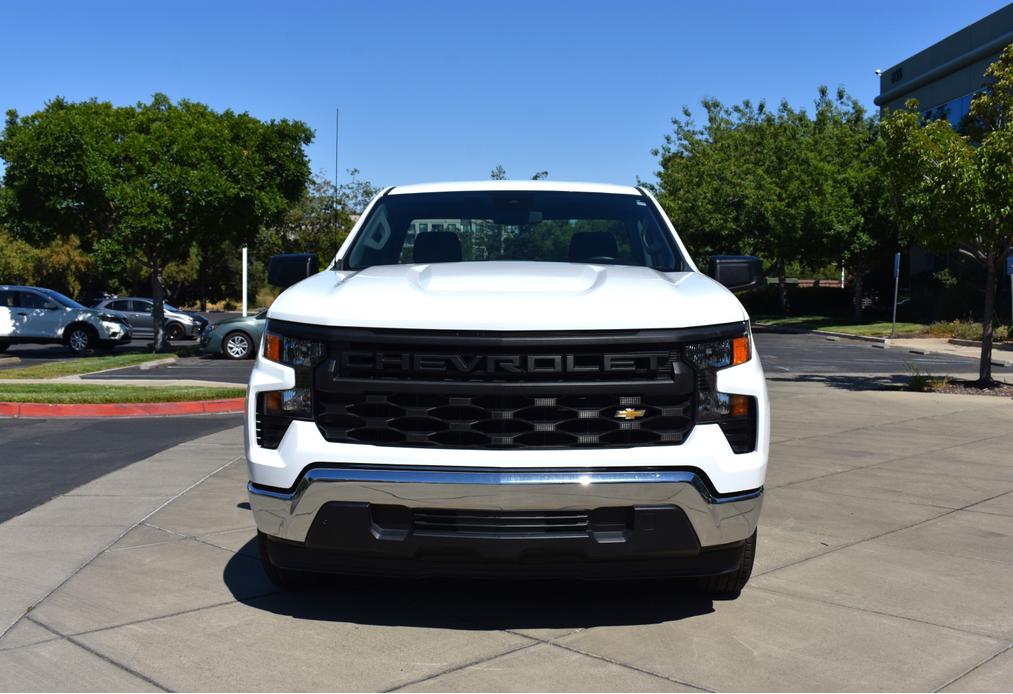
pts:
pixel 886 544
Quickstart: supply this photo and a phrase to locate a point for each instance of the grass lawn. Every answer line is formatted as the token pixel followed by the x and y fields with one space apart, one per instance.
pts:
pixel 84 365
pixel 87 393
pixel 839 325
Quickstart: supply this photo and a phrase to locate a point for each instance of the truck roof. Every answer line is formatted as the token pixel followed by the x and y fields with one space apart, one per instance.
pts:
pixel 514 185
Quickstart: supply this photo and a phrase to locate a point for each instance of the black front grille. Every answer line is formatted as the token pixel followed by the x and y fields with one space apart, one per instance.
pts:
pixel 485 419
pixel 509 390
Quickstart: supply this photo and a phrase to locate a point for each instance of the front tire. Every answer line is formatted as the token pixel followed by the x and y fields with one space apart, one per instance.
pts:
pixel 173 331
pixel 728 586
pixel 237 345
pixel 283 578
pixel 81 338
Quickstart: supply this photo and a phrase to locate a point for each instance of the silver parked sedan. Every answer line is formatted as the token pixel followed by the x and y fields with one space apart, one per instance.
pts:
pixel 139 311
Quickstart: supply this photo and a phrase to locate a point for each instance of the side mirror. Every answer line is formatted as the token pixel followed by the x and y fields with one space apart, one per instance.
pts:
pixel 288 268
pixel 737 272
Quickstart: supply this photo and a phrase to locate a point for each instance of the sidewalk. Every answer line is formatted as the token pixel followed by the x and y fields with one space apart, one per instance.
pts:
pixel 886 545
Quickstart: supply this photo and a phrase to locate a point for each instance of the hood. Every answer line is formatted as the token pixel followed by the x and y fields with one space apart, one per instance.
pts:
pixel 508 296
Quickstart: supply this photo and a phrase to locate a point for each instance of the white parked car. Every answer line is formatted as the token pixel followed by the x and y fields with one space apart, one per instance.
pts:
pixel 509 378
pixel 38 315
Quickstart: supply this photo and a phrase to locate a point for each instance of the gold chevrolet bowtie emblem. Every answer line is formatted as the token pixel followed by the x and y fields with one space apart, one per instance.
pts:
pixel 629 413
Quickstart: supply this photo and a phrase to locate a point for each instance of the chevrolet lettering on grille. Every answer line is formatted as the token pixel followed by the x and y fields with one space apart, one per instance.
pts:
pixel 500 364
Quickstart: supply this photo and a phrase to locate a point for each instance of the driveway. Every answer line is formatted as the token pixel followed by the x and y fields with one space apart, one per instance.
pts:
pixel 886 546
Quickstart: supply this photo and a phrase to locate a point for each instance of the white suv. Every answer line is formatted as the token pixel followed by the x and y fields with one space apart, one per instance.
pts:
pixel 509 378
pixel 37 315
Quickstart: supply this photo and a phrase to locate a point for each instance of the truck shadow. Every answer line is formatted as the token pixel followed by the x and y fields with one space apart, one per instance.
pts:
pixel 471 604
pixel 854 382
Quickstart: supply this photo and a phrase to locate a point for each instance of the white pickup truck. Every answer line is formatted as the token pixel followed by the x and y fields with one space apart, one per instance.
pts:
pixel 509 378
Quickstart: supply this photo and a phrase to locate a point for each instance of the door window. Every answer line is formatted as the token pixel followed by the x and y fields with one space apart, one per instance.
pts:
pixel 31 300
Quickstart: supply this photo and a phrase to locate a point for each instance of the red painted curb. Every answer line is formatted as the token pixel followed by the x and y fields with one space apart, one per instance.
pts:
pixel 125 409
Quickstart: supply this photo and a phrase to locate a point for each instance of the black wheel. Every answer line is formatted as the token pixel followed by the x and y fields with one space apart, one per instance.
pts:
pixel 237 345
pixel 81 338
pixel 174 331
pixel 283 578
pixel 729 585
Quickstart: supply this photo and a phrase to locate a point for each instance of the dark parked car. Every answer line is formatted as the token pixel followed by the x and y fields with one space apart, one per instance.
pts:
pixel 236 338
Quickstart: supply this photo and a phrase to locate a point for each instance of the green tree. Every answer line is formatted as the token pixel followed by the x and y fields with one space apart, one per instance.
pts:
pixel 849 179
pixel 500 174
pixel 744 182
pixel 955 191
pixel 147 182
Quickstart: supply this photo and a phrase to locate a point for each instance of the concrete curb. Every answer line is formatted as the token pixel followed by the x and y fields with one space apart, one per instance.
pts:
pixel 139 409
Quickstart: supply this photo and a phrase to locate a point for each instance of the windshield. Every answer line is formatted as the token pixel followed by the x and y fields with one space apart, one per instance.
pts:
pixel 549 226
pixel 61 299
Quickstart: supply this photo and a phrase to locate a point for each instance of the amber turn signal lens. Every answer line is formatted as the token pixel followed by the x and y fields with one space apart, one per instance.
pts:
pixel 272 402
pixel 272 347
pixel 740 405
pixel 740 350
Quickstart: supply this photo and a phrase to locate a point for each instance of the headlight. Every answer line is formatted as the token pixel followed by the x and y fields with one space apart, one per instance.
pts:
pixel 734 413
pixel 301 355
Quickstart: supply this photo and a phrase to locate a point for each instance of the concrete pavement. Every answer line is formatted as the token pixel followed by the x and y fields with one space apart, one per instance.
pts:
pixel 886 545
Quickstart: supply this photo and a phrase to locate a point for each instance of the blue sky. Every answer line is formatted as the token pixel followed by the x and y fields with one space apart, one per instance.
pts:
pixel 439 90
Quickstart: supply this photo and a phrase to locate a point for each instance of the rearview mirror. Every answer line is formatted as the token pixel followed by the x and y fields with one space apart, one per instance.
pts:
pixel 737 272
pixel 288 268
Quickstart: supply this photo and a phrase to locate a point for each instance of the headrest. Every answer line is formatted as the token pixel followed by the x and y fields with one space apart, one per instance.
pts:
pixel 437 247
pixel 592 244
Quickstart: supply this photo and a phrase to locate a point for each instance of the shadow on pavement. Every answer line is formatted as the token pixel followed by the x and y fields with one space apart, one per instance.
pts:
pixel 473 604
pixel 848 381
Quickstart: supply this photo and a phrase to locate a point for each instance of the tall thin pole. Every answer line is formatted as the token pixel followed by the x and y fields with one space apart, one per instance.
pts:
pixel 337 123
pixel 896 287
pixel 244 279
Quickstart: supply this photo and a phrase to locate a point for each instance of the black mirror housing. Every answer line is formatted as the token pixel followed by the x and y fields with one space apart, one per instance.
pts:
pixel 737 272
pixel 288 268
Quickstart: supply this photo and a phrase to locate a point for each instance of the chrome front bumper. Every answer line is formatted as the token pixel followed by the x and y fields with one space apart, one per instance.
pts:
pixel 717 520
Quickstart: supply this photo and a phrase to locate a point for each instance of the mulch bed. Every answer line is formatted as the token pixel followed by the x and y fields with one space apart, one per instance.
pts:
pixel 1000 389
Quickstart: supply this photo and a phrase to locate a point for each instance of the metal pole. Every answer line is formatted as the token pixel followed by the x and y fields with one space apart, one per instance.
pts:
pixel 896 286
pixel 244 279
pixel 337 123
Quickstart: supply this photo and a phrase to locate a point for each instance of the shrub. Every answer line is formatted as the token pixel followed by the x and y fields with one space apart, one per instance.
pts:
pixel 967 330
pixel 229 305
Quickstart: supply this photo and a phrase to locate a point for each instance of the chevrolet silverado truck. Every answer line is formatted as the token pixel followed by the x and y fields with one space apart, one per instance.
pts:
pixel 509 378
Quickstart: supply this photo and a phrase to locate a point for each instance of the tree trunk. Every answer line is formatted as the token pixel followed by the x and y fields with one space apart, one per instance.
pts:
pixel 856 298
pixel 991 279
pixel 158 313
pixel 782 288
